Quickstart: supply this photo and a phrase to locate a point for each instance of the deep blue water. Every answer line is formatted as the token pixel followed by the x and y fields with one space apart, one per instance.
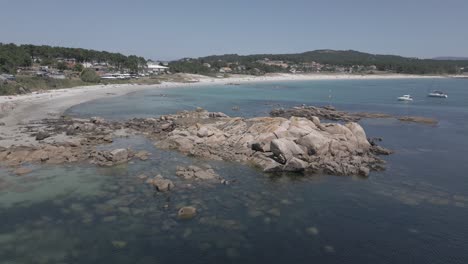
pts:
pixel 414 212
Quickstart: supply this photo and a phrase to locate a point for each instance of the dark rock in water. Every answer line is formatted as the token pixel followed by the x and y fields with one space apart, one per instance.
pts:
pixel 42 135
pixel 2 124
pixel 330 113
pixel 381 150
pixel 418 119
pixel 373 141
pixel 187 212
pixel 327 112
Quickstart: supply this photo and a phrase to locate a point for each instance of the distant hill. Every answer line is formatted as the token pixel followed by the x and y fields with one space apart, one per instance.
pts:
pixel 451 58
pixel 333 59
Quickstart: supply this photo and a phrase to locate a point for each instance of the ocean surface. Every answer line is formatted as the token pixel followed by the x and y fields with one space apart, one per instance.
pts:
pixel 416 211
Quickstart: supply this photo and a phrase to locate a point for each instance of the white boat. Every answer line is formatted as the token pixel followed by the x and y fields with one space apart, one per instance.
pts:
pixel 437 94
pixel 405 97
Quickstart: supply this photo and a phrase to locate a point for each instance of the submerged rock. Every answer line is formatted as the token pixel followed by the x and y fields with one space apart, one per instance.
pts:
pixel 161 184
pixel 330 113
pixel 119 244
pixel 198 173
pixel 142 177
pixel 142 155
pixel 329 249
pixel 312 231
pixel 187 212
pixel 22 171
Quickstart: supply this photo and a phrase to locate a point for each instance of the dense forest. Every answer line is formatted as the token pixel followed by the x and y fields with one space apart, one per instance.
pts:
pixel 13 56
pixel 389 63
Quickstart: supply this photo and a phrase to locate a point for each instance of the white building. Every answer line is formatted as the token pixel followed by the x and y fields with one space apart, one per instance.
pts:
pixel 156 68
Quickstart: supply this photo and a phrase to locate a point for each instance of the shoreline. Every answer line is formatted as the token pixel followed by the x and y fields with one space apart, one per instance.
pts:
pixel 18 110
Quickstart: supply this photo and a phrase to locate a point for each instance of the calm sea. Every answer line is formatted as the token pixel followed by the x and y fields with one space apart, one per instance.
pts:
pixel 414 212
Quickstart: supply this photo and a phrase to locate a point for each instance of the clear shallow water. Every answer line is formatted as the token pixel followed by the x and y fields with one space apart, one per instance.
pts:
pixel 414 212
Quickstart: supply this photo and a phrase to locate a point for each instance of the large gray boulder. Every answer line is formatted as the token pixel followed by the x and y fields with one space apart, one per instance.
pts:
pixel 285 149
pixel 295 165
pixel 205 131
pixel 360 135
pixel 315 142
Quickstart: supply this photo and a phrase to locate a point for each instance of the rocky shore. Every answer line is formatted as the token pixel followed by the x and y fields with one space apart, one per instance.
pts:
pixel 273 144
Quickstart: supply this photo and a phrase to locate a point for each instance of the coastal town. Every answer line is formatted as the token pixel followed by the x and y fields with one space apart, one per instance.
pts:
pixel 27 68
pixel 70 68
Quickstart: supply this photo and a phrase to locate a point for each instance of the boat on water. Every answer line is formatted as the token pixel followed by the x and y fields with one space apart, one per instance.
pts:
pixel 405 97
pixel 438 94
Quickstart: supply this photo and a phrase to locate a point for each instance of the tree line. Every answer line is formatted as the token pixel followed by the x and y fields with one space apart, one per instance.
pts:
pixel 13 56
pixel 349 58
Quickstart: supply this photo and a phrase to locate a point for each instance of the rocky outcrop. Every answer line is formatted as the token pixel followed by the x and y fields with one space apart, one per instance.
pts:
pixel 274 144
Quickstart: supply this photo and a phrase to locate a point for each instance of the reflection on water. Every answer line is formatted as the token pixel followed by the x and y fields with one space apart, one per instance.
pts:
pixel 414 212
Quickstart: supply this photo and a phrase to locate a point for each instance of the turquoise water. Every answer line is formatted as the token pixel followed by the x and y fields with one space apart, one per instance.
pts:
pixel 414 212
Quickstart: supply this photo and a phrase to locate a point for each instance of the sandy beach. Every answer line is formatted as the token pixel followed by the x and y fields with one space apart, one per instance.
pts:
pixel 18 110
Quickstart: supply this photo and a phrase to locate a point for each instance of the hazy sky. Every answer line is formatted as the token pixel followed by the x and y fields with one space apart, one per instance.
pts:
pixel 173 29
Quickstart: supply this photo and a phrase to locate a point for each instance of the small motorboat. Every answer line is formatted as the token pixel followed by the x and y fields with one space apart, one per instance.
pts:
pixel 437 94
pixel 405 97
